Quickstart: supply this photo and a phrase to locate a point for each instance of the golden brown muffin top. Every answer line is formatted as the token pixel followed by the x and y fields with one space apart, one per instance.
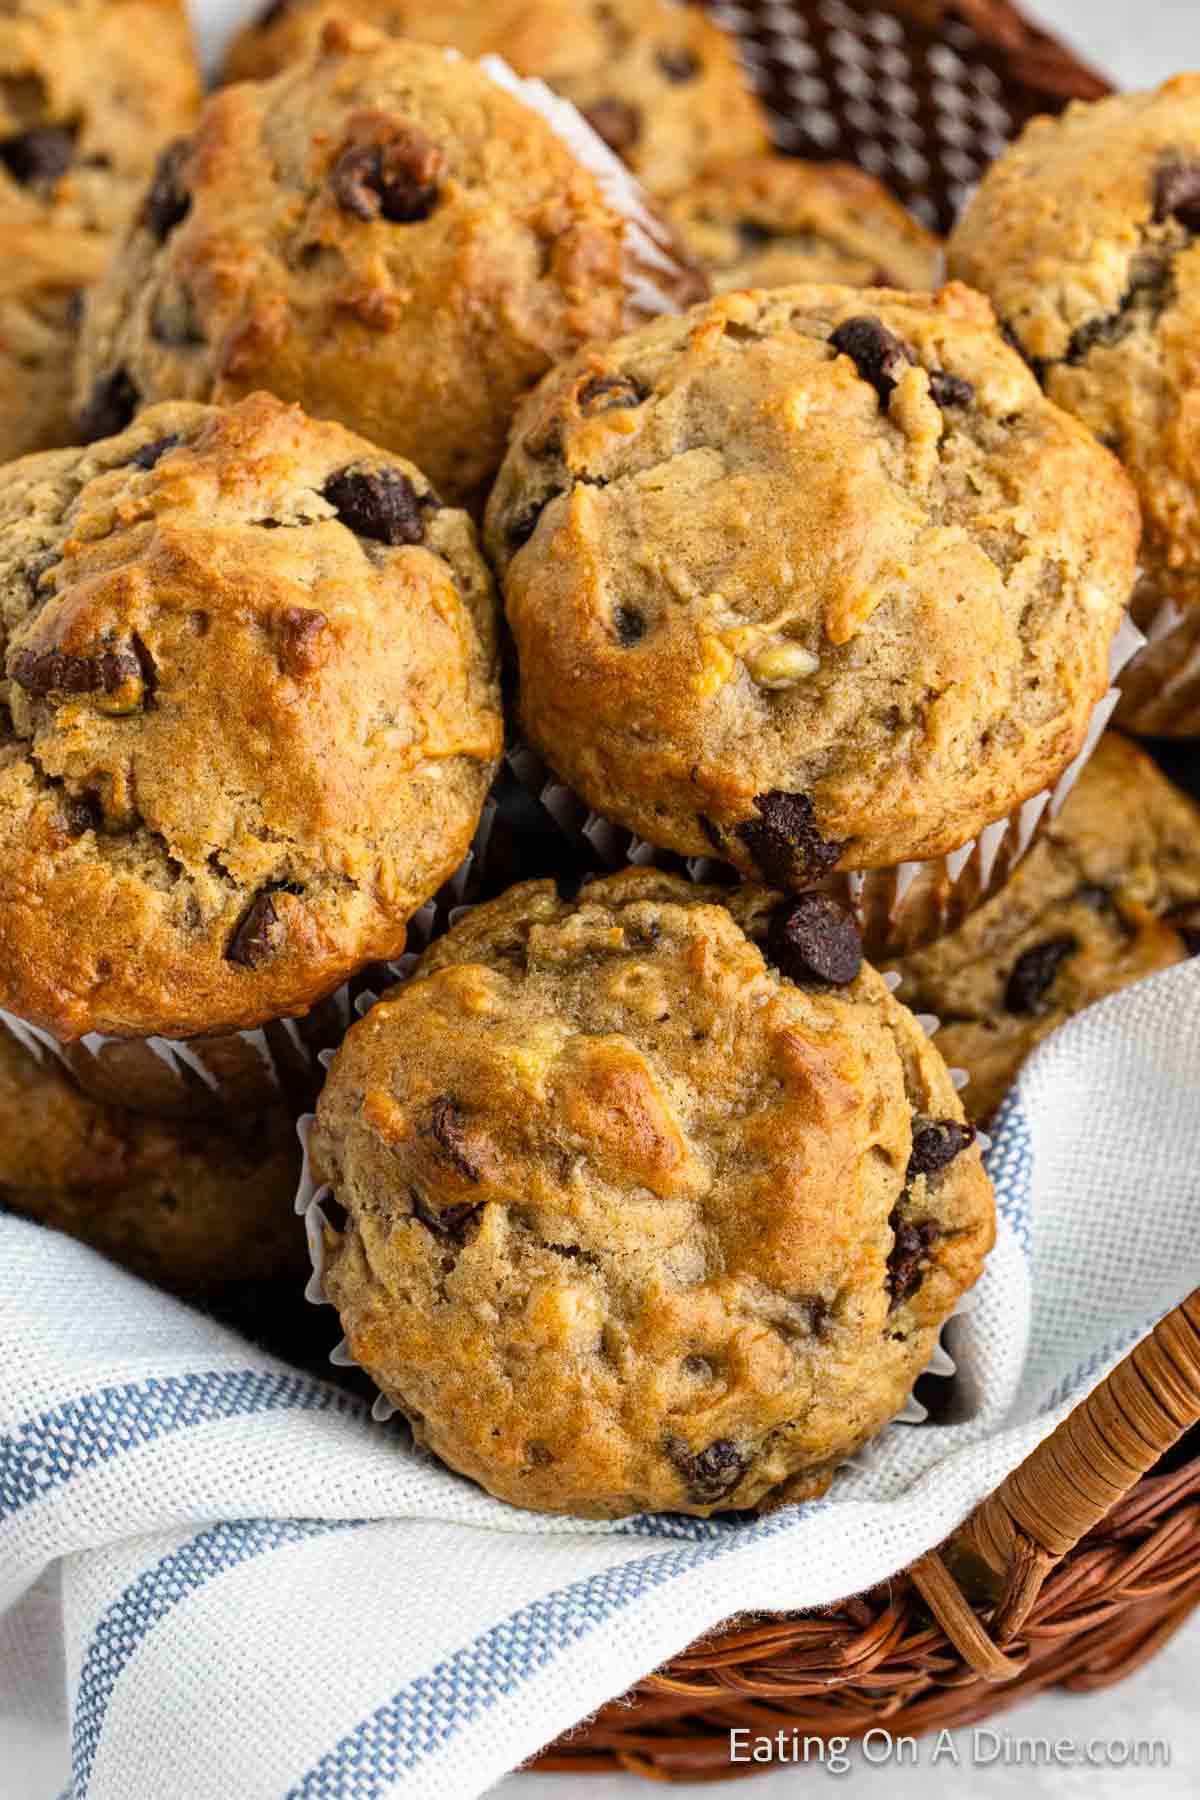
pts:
pixel 813 578
pixel 633 1219
pixel 252 715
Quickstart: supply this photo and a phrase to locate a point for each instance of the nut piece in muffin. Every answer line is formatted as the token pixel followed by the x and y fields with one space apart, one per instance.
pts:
pixel 815 579
pixel 1084 234
pixel 194 1210
pixel 660 83
pixel 90 90
pixel 383 234
pixel 1109 895
pixel 251 716
pixel 635 1220
pixel 774 221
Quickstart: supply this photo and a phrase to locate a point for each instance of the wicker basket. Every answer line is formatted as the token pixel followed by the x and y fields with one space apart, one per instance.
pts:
pixel 1088 1557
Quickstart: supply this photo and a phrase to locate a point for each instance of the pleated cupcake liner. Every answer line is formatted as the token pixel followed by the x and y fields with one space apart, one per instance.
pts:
pixel 1160 686
pixel 898 910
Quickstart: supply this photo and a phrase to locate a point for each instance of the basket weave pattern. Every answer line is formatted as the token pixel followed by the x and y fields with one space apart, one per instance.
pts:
pixel 1087 1558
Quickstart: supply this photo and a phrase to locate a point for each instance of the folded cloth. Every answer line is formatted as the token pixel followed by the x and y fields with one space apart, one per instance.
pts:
pixel 218 1577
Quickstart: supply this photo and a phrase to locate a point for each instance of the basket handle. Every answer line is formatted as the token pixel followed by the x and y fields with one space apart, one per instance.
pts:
pixel 1065 1487
pixel 1036 60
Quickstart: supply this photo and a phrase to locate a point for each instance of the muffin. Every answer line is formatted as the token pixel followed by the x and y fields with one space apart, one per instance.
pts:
pixel 192 1209
pixel 660 83
pixel 1109 895
pixel 775 221
pixel 814 580
pixel 635 1219
pixel 384 234
pixel 251 718
pixel 1084 235
pixel 90 90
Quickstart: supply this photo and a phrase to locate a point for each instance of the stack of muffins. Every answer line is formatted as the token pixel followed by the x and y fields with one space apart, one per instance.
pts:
pixel 636 1189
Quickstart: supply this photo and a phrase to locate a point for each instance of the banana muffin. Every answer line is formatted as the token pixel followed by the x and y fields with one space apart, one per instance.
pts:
pixel 1084 234
pixel 251 717
pixel 635 1219
pixel 775 221
pixel 1109 895
pixel 384 234
pixel 192 1209
pixel 90 90
pixel 660 83
pixel 813 579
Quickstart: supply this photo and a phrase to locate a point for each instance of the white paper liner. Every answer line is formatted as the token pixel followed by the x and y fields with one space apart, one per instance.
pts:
pixel 310 1199
pixel 1160 686
pixel 897 909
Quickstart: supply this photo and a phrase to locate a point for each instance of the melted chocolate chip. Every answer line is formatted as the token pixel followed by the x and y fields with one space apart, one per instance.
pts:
pixel 259 936
pixel 950 390
pixel 709 1474
pixel 935 1144
pixel 113 402
pixel 1034 971
pixel 43 672
pixel 606 392
pixel 629 626
pixel 82 812
pixel 912 1242
pixel 147 455
pixel 678 65
pixel 167 201
pixel 397 180
pixel 445 1221
pixel 785 844
pixel 879 357
pixel 384 505
pixel 301 642
pixel 1177 194
pixel 42 153
pixel 448 1130
pixel 618 123
pixel 813 939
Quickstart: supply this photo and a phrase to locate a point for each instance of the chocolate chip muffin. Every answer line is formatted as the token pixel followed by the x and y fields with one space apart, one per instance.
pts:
pixel 251 718
pixel 773 221
pixel 194 1210
pixel 383 234
pixel 814 579
pixel 1109 895
pixel 1084 233
pixel 90 89
pixel 660 83
pixel 635 1219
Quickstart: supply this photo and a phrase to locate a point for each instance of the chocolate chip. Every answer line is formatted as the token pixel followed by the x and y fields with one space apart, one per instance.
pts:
pixel 709 1474
pixel 1034 971
pixel 678 65
pixel 753 235
pixel 1151 285
pixel 113 402
pixel 785 844
pixel 167 201
pixel 82 812
pixel 618 123
pixel 629 626
pixel 1177 194
pixel 397 180
pixel 448 1130
pixel 935 1144
pixel 879 357
pixel 812 938
pixel 712 832
pixel 445 1221
pixel 522 525
pixel 911 1245
pixel 43 672
pixel 384 505
pixel 147 455
pixel 606 392
pixel 301 643
pixel 950 390
pixel 259 936
pixel 36 568
pixel 42 153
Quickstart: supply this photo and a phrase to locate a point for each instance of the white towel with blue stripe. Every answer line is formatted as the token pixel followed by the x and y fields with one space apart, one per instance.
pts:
pixel 219 1579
